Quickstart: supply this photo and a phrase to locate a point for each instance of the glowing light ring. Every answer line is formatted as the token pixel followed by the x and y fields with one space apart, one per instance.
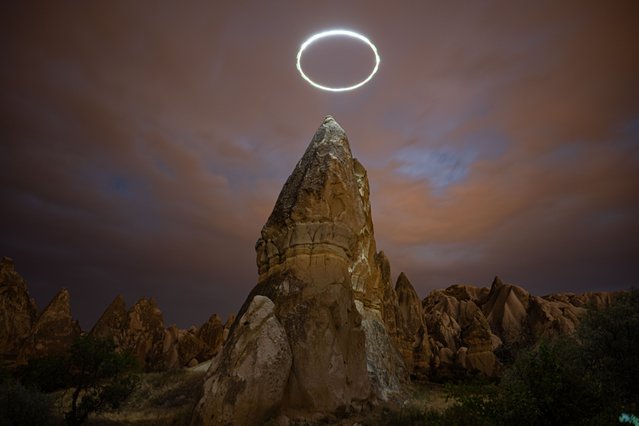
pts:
pixel 331 33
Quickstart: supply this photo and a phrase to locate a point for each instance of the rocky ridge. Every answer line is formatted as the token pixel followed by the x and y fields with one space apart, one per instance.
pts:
pixel 26 334
pixel 469 326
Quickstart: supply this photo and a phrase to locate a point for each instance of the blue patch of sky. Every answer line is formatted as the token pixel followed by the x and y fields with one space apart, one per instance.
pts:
pixel 446 253
pixel 565 154
pixel 630 136
pixel 608 218
pixel 164 168
pixel 120 185
pixel 442 165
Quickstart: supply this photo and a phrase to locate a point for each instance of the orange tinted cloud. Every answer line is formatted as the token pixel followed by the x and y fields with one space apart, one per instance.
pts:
pixel 142 146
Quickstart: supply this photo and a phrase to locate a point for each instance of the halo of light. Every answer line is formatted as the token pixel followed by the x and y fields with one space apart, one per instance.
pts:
pixel 331 33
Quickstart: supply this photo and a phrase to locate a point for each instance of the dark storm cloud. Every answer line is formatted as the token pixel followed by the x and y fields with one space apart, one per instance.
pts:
pixel 143 145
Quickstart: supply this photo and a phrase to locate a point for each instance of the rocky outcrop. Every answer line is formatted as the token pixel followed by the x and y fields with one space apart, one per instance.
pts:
pixel 141 331
pixel 319 268
pixel 113 323
pixel 196 345
pixel 17 311
pixel 54 331
pixel 522 319
pixel 468 324
pixel 147 338
pixel 252 375
pixel 506 309
pixel 212 334
pixel 461 336
pixel 412 336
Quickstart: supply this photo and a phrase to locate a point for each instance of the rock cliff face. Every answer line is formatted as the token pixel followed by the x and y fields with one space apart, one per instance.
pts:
pixel 319 269
pixel 17 310
pixel 54 331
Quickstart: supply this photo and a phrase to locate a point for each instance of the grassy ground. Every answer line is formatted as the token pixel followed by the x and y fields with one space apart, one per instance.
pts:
pixel 160 399
pixel 169 398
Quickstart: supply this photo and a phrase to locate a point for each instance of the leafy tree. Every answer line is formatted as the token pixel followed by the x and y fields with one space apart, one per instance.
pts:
pixel 548 386
pixel 99 376
pixel 610 344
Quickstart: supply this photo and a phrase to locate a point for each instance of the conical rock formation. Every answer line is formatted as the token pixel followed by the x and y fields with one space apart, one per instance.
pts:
pixel 140 331
pixel 54 331
pixel 318 269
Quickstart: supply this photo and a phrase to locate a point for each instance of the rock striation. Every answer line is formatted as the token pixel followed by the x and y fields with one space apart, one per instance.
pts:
pixel 53 332
pixel 18 311
pixel 329 299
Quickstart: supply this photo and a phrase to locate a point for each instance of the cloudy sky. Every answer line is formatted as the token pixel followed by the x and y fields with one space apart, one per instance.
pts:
pixel 143 144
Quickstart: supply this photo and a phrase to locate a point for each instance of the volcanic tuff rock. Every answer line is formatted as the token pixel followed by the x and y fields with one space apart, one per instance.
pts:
pixel 461 336
pixel 413 339
pixel 319 269
pixel 256 365
pixel 468 324
pixel 196 345
pixel 54 331
pixel 113 322
pixel 140 331
pixel 17 310
pixel 520 318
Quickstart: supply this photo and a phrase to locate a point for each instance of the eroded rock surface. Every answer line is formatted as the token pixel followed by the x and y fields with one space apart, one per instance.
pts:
pixel 247 383
pixel 140 331
pixel 469 324
pixel 461 336
pixel 412 330
pixel 318 264
pixel 54 331
pixel 18 311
